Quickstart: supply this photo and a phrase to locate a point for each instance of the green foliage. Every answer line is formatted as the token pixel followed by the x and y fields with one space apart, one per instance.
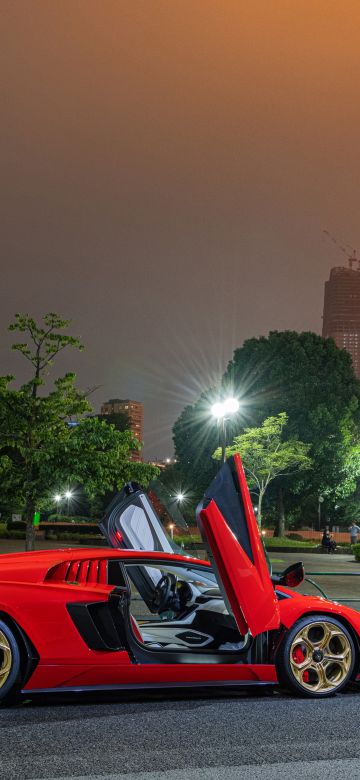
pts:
pixel 185 539
pixel 46 453
pixel 120 420
pixel 356 550
pixel 313 381
pixel 73 536
pixel 284 541
pixel 43 342
pixel 195 437
pixel 266 456
pixel 39 451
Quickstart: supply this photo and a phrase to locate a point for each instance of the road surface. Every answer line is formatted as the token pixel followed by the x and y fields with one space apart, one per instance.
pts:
pixel 267 735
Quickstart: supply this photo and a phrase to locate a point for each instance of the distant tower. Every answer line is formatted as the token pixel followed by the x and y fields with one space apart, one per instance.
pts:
pixel 135 412
pixel 341 320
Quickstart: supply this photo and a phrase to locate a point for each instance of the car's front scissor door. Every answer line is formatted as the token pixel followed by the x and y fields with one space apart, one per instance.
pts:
pixel 229 529
pixel 131 522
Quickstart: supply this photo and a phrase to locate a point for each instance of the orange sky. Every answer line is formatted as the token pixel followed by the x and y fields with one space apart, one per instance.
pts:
pixel 175 163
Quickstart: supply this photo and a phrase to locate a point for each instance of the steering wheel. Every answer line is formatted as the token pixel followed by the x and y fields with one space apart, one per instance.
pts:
pixel 163 592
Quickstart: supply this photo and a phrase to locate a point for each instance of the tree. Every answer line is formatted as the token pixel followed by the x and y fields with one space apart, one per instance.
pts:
pixel 120 420
pixel 39 450
pixel 195 436
pixel 266 456
pixel 313 381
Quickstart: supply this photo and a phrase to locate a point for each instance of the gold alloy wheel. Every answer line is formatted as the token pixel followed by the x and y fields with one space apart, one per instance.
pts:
pixel 5 659
pixel 320 657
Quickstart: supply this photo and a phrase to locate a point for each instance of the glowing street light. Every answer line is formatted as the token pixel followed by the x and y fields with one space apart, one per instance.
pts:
pixel 180 497
pixel 222 410
pixel 57 498
pixel 171 529
pixel 68 494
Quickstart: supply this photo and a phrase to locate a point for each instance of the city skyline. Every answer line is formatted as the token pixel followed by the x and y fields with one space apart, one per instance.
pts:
pixel 166 182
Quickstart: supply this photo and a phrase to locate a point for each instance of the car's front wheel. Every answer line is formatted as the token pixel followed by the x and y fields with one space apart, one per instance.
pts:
pixel 10 665
pixel 316 657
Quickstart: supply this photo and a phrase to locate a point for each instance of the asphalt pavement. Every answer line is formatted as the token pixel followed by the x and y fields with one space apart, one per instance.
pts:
pixel 231 735
pixel 265 735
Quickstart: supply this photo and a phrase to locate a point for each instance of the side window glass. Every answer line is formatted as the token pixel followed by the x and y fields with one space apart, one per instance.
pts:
pixel 179 607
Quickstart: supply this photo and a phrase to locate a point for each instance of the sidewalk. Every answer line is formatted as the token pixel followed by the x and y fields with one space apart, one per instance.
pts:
pixel 336 588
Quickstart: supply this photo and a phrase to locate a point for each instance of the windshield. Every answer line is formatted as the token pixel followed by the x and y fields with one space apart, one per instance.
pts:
pixel 181 532
pixel 150 520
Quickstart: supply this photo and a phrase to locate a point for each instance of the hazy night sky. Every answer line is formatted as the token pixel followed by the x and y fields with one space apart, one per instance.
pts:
pixel 167 169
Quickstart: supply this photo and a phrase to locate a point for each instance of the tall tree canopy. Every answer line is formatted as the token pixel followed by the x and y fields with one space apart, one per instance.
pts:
pixel 196 436
pixel 266 456
pixel 311 380
pixel 39 451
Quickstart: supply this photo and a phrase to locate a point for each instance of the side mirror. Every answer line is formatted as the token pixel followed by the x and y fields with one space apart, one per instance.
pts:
pixel 291 577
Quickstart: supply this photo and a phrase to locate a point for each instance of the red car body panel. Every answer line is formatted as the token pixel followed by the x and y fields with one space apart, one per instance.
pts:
pixel 247 584
pixel 37 590
pixel 39 608
pixel 65 661
pixel 292 609
pixel 252 600
pixel 146 675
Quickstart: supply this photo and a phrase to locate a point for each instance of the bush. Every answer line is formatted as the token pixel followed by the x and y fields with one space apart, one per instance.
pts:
pixel 278 541
pixel 356 550
pixel 82 529
pixel 187 539
pixel 12 534
pixel 75 537
pixel 296 537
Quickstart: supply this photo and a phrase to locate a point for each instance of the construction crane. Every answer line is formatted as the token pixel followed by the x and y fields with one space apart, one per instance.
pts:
pixel 347 250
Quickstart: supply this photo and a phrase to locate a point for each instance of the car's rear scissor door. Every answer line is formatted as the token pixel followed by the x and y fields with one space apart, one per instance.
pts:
pixel 229 529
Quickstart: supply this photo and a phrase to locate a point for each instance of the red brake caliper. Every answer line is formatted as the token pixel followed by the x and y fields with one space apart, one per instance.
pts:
pixel 299 656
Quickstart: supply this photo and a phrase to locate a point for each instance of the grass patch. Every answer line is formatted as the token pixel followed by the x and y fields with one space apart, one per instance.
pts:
pixel 283 541
pixel 194 539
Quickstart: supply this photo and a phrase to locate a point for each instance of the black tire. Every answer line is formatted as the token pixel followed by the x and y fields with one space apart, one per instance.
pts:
pixel 10 663
pixel 316 657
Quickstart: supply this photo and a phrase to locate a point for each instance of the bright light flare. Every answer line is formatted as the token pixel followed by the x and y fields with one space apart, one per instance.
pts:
pixel 231 405
pixel 217 410
pixel 68 494
pixel 57 498
pixel 180 496
pixel 224 408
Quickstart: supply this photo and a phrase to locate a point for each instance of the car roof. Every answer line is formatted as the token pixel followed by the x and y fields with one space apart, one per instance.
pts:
pixel 33 566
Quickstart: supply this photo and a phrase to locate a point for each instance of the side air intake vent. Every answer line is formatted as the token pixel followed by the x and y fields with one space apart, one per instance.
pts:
pixel 84 572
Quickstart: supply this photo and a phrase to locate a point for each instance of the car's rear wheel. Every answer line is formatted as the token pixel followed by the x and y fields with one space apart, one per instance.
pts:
pixel 316 657
pixel 10 662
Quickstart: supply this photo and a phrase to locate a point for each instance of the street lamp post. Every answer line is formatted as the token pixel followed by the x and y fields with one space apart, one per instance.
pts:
pixel 321 499
pixel 223 410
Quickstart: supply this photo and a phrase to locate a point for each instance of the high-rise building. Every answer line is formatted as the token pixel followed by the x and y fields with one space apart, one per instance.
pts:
pixel 341 320
pixel 135 412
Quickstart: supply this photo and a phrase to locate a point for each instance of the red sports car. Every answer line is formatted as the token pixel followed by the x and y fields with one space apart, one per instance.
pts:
pixel 147 617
